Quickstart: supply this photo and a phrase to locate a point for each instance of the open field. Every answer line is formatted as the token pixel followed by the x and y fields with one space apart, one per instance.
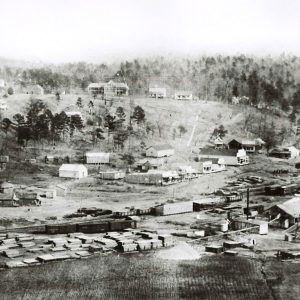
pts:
pixel 138 277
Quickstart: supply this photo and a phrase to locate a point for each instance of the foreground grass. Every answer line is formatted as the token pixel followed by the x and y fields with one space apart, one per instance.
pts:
pixel 137 277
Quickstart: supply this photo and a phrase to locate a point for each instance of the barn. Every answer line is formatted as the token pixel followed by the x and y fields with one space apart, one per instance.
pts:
pixel 97 158
pixel 73 171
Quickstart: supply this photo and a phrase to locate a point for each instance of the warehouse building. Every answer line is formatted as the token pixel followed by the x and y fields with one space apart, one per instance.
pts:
pixel 174 208
pixel 76 171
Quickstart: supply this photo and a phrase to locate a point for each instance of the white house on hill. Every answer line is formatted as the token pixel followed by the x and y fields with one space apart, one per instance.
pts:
pixel 157 92
pixel 183 95
pixel 97 158
pixel 160 151
pixel 73 171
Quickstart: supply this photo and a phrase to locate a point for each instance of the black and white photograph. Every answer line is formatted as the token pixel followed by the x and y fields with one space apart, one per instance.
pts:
pixel 149 149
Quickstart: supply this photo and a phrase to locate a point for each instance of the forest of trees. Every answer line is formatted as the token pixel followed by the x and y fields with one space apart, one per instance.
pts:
pixel 271 81
pixel 40 125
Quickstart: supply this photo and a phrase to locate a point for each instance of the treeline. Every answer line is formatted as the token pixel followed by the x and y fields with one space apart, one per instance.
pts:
pixel 266 81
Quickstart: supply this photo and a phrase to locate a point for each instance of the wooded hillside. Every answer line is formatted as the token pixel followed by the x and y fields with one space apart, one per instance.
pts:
pixel 265 80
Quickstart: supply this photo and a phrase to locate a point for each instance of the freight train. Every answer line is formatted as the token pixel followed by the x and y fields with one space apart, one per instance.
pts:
pixel 90 227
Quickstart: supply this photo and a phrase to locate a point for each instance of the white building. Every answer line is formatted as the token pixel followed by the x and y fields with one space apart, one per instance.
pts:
pixel 218 142
pixel 111 88
pixel 231 157
pixel 2 84
pixel 3 105
pixel 73 171
pixel 160 151
pixel 213 165
pixel 183 95
pixel 97 158
pixel 157 92
pixel 294 151
pixel 74 113
pixel 187 172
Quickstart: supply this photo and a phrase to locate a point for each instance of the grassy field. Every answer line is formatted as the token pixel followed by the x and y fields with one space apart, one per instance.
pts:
pixel 138 277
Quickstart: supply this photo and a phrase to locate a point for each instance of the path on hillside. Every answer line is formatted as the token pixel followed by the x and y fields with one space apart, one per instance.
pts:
pixel 193 131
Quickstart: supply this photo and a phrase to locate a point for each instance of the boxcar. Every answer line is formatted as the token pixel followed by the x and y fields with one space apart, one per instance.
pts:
pixel 93 227
pixel 60 228
pixel 119 225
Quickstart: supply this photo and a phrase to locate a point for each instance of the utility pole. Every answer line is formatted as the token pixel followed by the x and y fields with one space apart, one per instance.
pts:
pixel 248 196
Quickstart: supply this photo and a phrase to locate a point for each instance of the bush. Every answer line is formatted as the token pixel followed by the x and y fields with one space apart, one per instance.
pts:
pixel 89 122
pixel 10 91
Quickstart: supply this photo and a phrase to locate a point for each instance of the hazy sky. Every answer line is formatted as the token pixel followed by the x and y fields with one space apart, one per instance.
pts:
pixel 96 30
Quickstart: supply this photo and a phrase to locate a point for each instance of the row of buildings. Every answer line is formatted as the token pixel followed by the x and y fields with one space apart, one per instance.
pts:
pixel 255 146
pixel 117 89
pixel 250 146
pixel 161 92
pixel 151 177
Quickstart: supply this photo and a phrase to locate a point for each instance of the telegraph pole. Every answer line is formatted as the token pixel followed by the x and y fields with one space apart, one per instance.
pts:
pixel 248 196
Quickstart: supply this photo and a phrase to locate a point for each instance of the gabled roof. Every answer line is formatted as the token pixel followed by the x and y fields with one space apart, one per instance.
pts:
pixel 96 85
pixel 97 154
pixel 213 160
pixel 249 143
pixel 218 141
pixel 291 207
pixel 111 82
pixel 235 140
pixel 73 113
pixel 151 161
pixel 161 147
pixel 72 167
